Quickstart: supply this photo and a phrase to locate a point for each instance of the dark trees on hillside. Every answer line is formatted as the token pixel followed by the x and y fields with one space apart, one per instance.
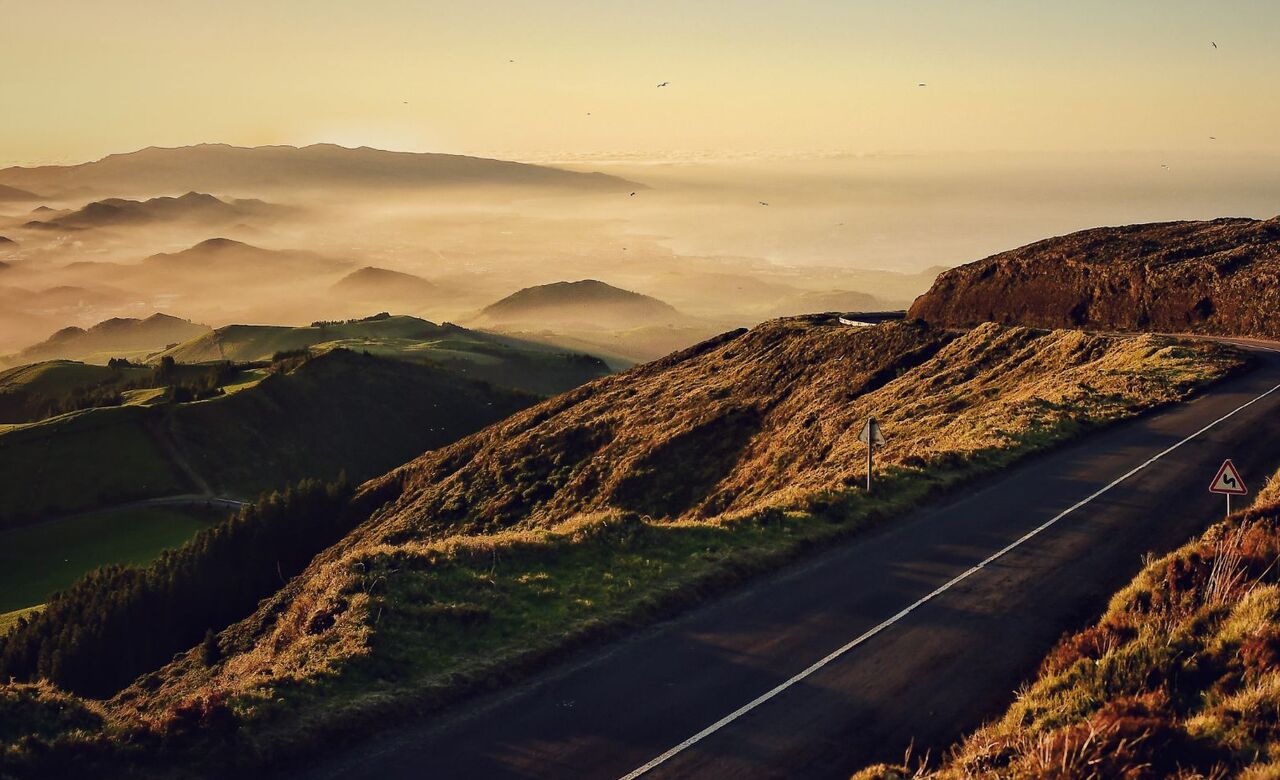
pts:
pixel 119 622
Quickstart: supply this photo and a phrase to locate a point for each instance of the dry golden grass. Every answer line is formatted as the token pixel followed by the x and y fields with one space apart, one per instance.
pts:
pixel 1180 677
pixel 639 492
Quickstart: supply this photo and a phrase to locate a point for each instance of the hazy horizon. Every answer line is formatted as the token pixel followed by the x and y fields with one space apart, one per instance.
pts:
pixel 537 80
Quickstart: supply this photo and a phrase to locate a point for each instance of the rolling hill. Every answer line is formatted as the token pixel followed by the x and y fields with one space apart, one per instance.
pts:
pixel 25 390
pixel 337 411
pixel 117 337
pixel 384 287
pixel 7 244
pixel 587 303
pixel 503 361
pixel 227 258
pixel 223 168
pixel 624 326
pixel 1219 277
pixel 193 206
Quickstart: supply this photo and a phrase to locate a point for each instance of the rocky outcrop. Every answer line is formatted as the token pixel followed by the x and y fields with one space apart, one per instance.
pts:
pixel 1218 277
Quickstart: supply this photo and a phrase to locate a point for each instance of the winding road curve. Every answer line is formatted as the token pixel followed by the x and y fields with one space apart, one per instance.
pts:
pixel 912 635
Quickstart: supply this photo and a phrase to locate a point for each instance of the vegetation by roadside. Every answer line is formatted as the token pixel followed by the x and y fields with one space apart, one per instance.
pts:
pixel 601 509
pixel 1179 678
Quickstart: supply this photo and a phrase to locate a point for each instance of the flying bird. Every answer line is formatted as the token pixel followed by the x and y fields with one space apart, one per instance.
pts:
pixel 1214 44
pixel 1162 165
pixel 633 194
pixel 1213 138
pixel 922 84
pixel 665 83
pixel 762 203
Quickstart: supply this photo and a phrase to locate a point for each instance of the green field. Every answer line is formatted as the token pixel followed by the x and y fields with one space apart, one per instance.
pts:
pixel 37 560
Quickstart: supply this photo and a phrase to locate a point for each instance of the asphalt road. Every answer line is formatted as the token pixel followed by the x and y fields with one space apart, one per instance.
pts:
pixel 943 644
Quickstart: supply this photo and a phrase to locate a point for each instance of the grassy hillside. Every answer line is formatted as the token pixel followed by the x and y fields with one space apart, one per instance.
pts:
pixel 82 460
pixel 341 410
pixel 60 376
pixel 1180 677
pixel 503 361
pixel 613 503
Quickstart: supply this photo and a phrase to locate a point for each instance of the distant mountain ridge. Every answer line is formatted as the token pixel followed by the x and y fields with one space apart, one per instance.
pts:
pixel 1220 277
pixel 225 168
pixel 119 211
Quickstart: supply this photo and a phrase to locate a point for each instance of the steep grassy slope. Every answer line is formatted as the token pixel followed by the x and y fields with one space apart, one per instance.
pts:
pixel 500 360
pixel 1180 677
pixel 611 503
pixel 1219 277
pixel 341 410
pixel 773 413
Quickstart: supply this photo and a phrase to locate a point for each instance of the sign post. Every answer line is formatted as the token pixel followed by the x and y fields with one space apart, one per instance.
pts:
pixel 1228 483
pixel 871 437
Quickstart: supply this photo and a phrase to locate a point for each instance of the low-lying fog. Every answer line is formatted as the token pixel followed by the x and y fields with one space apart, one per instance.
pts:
pixel 696 234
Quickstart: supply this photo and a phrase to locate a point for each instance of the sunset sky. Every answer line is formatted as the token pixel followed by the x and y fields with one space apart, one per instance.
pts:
pixel 83 79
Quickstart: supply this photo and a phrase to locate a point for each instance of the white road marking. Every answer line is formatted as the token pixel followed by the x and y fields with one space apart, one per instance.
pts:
pixel 751 705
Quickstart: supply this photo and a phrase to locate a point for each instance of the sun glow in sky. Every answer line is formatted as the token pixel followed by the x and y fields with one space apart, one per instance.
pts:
pixel 535 79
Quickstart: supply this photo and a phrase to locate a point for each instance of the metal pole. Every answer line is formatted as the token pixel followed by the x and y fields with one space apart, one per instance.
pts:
pixel 871 446
pixel 1228 505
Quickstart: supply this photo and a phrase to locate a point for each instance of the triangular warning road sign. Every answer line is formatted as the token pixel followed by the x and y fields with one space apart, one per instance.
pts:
pixel 871 433
pixel 1228 480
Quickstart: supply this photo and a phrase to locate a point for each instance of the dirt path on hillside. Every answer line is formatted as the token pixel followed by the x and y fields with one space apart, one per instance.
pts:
pixel 164 432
